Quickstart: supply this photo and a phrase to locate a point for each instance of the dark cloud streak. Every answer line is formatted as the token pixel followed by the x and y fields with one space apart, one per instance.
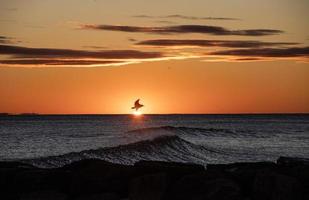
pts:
pixel 266 52
pixel 25 56
pixel 181 29
pixel 57 62
pixel 176 16
pixel 212 43
pixel 25 52
pixel 5 40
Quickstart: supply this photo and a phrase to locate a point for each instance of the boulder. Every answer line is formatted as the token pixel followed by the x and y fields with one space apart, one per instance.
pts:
pixel 43 195
pixel 242 173
pixel 204 186
pixel 105 196
pixel 173 170
pixel 40 179
pixel 270 185
pixel 290 161
pixel 96 176
pixel 148 187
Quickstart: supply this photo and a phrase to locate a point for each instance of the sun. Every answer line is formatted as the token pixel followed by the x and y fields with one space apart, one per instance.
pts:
pixel 137 113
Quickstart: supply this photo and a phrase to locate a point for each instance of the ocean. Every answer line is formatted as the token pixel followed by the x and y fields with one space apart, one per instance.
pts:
pixel 56 140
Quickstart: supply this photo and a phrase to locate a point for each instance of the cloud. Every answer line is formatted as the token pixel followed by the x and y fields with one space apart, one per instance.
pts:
pixel 164 22
pixel 212 43
pixel 181 29
pixel 94 47
pixel 199 18
pixel 261 54
pixel 132 39
pixel 25 56
pixel 26 52
pixel 185 17
pixel 266 52
pixel 58 62
pixel 10 9
pixel 5 40
pixel 144 16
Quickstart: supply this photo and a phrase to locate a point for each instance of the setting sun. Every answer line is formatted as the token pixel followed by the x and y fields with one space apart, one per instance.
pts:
pixel 137 113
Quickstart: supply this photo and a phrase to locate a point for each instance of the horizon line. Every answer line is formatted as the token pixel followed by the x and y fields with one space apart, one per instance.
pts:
pixel 249 113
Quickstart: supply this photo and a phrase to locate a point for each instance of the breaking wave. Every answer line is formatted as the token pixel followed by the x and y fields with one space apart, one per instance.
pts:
pixel 166 143
pixel 161 143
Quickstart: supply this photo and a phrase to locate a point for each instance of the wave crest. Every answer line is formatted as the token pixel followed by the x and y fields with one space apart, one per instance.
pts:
pixel 165 143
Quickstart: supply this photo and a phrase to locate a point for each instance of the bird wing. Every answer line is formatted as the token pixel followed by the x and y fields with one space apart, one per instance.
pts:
pixel 136 104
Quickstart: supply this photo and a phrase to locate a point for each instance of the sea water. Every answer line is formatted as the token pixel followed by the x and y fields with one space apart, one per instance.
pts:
pixel 55 140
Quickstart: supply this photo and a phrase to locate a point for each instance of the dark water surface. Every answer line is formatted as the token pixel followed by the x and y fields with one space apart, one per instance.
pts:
pixel 54 140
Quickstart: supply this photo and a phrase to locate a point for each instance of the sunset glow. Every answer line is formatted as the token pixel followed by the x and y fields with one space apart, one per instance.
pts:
pixel 137 113
pixel 200 56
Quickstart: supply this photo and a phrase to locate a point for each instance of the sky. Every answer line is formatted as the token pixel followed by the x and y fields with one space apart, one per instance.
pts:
pixel 177 56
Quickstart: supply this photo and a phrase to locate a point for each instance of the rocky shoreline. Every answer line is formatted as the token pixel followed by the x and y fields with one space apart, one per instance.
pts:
pixel 287 179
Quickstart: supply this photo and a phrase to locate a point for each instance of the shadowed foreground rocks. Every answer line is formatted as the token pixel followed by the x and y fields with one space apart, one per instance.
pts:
pixel 288 179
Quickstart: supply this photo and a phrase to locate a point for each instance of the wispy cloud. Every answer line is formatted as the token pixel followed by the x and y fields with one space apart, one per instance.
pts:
pixel 260 54
pixel 177 16
pixel 58 62
pixel 267 52
pixel 212 43
pixel 144 16
pixel 6 40
pixel 25 56
pixel 165 22
pixel 94 47
pixel 10 9
pixel 26 52
pixel 181 29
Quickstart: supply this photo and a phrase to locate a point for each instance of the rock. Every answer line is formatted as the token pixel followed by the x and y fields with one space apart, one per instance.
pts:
pixel 148 187
pixel 297 168
pixel 96 176
pixel 15 165
pixel 105 196
pixel 242 173
pixel 270 185
pixel 289 161
pixel 8 172
pixel 43 195
pixel 172 169
pixel 82 164
pixel 234 167
pixel 40 179
pixel 203 186
pixel 152 180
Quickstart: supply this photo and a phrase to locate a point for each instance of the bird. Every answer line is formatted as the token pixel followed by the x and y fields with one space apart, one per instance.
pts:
pixel 137 105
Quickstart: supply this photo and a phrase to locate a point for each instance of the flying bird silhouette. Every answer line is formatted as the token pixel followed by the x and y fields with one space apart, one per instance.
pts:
pixel 137 105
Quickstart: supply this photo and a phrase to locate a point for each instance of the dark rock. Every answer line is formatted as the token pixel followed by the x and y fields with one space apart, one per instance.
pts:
pixel 242 173
pixel 270 185
pixel 105 196
pixel 81 164
pixel 148 187
pixel 8 172
pixel 40 179
pixel 204 186
pixel 172 169
pixel 297 168
pixel 43 195
pixel 289 161
pixel 233 167
pixel 96 176
pixel 97 179
pixel 15 165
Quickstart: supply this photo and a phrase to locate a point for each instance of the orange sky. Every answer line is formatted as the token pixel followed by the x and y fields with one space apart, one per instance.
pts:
pixel 98 57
